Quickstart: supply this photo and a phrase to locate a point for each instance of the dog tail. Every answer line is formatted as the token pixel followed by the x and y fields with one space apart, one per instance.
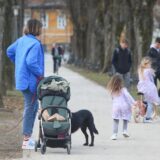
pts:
pixel 95 130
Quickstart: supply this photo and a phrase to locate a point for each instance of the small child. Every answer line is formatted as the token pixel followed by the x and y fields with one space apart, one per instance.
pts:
pixel 122 102
pixel 147 87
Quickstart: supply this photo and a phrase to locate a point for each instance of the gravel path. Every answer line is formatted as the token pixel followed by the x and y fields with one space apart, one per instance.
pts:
pixel 144 143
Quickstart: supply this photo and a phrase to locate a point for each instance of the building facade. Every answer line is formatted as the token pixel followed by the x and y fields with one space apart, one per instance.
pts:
pixel 57 24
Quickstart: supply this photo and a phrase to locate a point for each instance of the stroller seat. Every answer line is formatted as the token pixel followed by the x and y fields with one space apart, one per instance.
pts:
pixel 55 127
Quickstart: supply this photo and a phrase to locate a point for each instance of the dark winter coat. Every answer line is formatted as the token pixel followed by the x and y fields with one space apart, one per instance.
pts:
pixel 155 56
pixel 60 52
pixel 122 60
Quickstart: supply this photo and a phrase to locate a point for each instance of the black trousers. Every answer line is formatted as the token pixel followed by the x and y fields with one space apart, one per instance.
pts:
pixel 55 63
pixel 157 78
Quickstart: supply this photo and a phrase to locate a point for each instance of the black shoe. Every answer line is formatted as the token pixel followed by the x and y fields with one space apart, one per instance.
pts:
pixel 159 92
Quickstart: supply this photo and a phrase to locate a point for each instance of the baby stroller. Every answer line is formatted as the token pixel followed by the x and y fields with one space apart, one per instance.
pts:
pixel 54 93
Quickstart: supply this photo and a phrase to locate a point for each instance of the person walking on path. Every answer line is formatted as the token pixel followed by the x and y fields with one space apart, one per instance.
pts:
pixel 122 62
pixel 28 56
pixel 61 53
pixel 56 55
pixel 122 103
pixel 147 87
pixel 154 54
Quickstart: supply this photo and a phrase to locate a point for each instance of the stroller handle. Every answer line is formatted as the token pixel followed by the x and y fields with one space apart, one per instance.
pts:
pixel 57 107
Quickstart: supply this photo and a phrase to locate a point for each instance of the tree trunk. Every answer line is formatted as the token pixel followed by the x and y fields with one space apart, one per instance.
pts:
pixel 8 71
pixel 6 68
pixel 1 60
pixel 98 25
pixel 21 18
pixel 140 36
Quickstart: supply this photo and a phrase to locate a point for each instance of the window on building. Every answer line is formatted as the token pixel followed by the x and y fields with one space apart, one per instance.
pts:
pixel 61 22
pixel 44 20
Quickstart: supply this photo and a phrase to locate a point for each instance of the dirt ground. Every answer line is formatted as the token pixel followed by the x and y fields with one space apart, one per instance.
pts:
pixel 10 128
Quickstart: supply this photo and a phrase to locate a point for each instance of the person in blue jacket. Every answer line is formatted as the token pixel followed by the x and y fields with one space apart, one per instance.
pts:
pixel 28 56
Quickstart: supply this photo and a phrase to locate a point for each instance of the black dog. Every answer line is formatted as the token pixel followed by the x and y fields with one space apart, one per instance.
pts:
pixel 84 119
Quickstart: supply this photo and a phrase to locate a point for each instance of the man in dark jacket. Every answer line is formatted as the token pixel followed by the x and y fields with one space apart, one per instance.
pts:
pixel 154 53
pixel 122 61
pixel 56 55
pixel 61 52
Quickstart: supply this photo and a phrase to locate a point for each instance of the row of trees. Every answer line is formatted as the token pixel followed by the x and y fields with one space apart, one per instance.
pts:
pixel 9 25
pixel 100 24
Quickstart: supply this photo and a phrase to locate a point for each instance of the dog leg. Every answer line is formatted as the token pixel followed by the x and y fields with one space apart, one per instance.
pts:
pixel 83 129
pixel 92 137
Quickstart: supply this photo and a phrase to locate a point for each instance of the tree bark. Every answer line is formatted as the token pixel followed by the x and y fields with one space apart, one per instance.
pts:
pixel 1 38
pixel 6 68
pixel 8 71
pixel 21 18
pixel 98 25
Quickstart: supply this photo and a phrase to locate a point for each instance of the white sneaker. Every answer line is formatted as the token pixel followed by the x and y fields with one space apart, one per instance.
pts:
pixel 149 120
pixel 114 137
pixel 125 134
pixel 30 144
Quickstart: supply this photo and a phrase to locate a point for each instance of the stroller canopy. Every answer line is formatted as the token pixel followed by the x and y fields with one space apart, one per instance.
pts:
pixel 53 86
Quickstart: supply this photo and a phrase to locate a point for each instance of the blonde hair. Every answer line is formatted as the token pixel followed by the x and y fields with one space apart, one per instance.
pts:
pixel 143 65
pixel 115 84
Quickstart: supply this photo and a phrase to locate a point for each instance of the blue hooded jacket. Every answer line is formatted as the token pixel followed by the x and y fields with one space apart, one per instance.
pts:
pixel 28 55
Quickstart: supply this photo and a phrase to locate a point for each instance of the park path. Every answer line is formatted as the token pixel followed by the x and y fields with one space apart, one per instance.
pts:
pixel 144 143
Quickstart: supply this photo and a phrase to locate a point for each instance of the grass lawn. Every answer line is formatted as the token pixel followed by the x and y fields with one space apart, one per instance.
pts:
pixel 14 93
pixel 13 100
pixel 100 78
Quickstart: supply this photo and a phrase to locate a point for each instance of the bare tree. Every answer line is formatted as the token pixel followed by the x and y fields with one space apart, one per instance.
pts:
pixel 9 29
pixel 6 27
pixel 21 17
pixel 1 38
pixel 98 25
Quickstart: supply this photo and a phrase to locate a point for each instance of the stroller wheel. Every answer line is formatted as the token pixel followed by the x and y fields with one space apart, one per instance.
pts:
pixel 35 148
pixel 43 148
pixel 69 148
pixel 37 145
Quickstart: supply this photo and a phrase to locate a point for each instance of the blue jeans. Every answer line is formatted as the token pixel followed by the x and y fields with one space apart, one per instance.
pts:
pixel 30 111
pixel 126 78
pixel 149 111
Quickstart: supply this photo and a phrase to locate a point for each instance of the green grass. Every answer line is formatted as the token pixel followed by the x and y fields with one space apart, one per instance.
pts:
pixel 100 78
pixel 14 93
